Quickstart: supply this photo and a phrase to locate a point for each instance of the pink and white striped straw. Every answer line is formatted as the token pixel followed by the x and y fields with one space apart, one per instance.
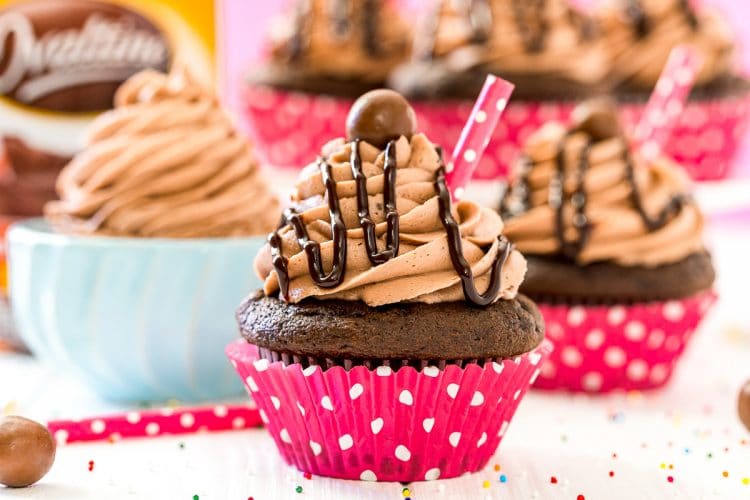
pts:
pixel 667 101
pixel 476 135
pixel 155 423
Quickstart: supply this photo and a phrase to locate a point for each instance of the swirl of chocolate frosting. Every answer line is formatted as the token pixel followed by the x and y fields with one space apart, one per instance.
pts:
pixel 640 35
pixel 166 162
pixel 515 37
pixel 583 195
pixel 344 39
pixel 377 225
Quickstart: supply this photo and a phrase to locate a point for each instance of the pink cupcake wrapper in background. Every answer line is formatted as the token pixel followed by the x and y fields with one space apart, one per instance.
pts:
pixel 630 347
pixel 385 425
pixel 291 127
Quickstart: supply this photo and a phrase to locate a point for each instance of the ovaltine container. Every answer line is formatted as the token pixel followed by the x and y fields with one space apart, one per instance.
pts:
pixel 60 64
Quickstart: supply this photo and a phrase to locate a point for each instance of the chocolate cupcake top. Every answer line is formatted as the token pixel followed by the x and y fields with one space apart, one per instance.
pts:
pixel 166 162
pixel 515 37
pixel 583 195
pixel 341 39
pixel 641 33
pixel 373 221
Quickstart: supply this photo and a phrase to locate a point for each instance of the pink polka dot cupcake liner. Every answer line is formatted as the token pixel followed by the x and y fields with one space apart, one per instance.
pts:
pixel 291 127
pixel 599 349
pixel 387 424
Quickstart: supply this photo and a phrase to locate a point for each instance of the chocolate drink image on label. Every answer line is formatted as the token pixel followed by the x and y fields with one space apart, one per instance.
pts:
pixel 61 63
pixel 72 56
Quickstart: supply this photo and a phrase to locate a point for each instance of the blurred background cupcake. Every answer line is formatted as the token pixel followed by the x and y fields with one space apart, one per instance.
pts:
pixel 616 255
pixel 549 50
pixel 552 51
pixel 556 53
pixel 640 35
pixel 149 249
pixel 334 47
pixel 317 50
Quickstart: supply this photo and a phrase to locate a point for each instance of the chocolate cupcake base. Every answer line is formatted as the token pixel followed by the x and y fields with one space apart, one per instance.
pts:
pixel 298 80
pixel 437 80
pixel 348 333
pixel 555 281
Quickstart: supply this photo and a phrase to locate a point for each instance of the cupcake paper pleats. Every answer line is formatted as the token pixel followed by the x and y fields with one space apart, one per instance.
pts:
pixel 385 425
pixel 623 347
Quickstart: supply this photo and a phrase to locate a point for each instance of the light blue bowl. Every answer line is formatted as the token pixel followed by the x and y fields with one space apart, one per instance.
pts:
pixel 139 319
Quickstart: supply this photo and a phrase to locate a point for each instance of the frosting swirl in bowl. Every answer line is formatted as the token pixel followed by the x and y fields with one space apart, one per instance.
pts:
pixel 586 197
pixel 421 267
pixel 343 39
pixel 640 35
pixel 166 162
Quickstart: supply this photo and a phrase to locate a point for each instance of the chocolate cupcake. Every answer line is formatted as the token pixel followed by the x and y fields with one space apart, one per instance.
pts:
pixel 382 302
pixel 338 47
pixel 640 35
pixel 548 49
pixel 615 249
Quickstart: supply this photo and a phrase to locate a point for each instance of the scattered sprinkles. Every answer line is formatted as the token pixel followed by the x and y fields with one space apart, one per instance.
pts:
pixel 406 492
pixel 618 417
pixel 497 467
pixel 307 475
pixel 580 497
pixel 298 489
pixel 746 481
pixel 91 465
pixel 485 484
pixel 503 478
pixel 611 473
pixel 670 479
pixel 725 473
pixel 553 480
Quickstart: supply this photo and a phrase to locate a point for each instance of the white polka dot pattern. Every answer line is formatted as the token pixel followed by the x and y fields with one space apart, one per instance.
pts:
pixel 705 139
pixel 154 423
pixel 635 347
pixel 355 424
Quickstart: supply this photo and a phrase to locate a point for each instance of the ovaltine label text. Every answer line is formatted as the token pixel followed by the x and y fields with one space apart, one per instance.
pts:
pixel 72 55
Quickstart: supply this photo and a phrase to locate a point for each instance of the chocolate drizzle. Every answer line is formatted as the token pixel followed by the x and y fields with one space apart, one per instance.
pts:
pixel 638 16
pixel 689 13
pixel 570 249
pixel 340 16
pixel 480 19
pixel 389 200
pixel 670 210
pixel 455 248
pixel 634 10
pixel 312 248
pixel 335 277
pixel 529 16
pixel 531 22
pixel 517 199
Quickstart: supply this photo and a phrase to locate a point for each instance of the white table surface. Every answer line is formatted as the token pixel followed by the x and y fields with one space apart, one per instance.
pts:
pixel 689 431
